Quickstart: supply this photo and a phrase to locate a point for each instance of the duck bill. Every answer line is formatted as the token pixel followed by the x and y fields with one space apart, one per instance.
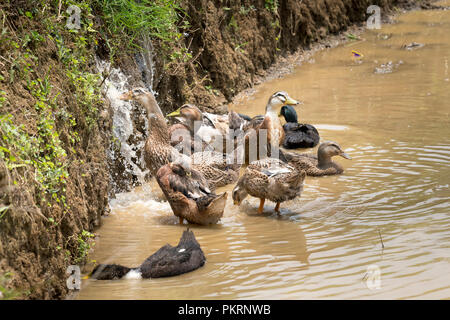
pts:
pixel 291 102
pixel 86 277
pixel 174 114
pixel 345 155
pixel 125 96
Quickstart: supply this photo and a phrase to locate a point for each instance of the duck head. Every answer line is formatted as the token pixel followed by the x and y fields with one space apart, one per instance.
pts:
pixel 181 165
pixel 279 99
pixel 329 149
pixel 289 114
pixel 238 194
pixel 143 97
pixel 108 272
pixel 188 114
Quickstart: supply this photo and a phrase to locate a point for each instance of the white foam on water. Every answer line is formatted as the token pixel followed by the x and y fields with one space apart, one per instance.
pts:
pixel 134 275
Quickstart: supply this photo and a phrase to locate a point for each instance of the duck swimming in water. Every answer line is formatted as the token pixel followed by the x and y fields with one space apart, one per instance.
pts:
pixel 269 125
pixel 188 193
pixel 297 135
pixel 320 165
pixel 271 179
pixel 166 262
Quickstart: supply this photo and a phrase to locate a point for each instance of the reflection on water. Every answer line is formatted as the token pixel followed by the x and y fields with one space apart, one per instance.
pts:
pixel 395 126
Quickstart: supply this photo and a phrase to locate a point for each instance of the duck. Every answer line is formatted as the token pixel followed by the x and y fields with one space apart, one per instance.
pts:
pixel 297 135
pixel 168 261
pixel 320 165
pixel 188 193
pixel 269 178
pixel 191 121
pixel 206 126
pixel 271 123
pixel 158 151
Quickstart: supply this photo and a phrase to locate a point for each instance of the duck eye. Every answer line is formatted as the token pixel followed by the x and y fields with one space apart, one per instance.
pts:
pixel 138 91
pixel 335 146
pixel 281 97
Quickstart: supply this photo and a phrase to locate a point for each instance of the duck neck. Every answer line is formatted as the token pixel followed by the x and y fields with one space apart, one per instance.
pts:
pixel 194 125
pixel 324 160
pixel 276 129
pixel 157 126
pixel 291 117
pixel 271 111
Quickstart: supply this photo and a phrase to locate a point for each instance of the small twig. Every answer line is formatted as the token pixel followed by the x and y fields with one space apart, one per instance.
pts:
pixel 382 244
pixel 5 59
pixel 58 18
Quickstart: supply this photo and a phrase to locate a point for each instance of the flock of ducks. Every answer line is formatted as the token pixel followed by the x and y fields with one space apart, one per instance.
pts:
pixel 189 182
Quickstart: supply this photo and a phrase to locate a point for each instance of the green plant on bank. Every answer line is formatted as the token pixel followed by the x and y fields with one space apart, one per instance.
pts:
pixel 244 11
pixel 5 293
pixel 240 47
pixel 85 243
pixel 271 5
pixel 211 90
pixel 233 23
pixel 351 36
pixel 180 55
pixel 43 150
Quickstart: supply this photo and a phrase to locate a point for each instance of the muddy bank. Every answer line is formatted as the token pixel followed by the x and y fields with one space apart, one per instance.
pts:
pixel 55 130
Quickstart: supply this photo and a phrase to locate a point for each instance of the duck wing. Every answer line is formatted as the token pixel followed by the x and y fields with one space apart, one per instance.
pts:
pixel 254 122
pixel 300 136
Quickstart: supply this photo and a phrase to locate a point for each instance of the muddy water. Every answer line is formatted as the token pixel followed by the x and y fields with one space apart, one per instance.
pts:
pixel 396 127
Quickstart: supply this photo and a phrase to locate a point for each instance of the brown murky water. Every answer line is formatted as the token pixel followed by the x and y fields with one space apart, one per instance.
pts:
pixel 397 129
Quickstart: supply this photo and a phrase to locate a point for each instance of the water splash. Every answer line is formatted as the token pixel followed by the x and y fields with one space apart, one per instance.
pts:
pixel 124 128
pixel 145 62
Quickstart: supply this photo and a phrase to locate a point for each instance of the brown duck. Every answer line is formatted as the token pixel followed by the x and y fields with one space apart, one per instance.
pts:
pixel 271 179
pixel 188 193
pixel 320 165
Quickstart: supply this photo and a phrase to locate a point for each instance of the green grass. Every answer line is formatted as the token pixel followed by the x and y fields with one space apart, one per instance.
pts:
pixel 129 19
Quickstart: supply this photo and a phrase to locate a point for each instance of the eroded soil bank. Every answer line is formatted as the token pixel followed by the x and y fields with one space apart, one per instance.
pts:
pixel 56 122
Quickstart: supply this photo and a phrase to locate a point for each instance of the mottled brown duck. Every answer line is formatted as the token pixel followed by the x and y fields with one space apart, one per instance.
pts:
pixel 320 165
pixel 270 179
pixel 188 193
